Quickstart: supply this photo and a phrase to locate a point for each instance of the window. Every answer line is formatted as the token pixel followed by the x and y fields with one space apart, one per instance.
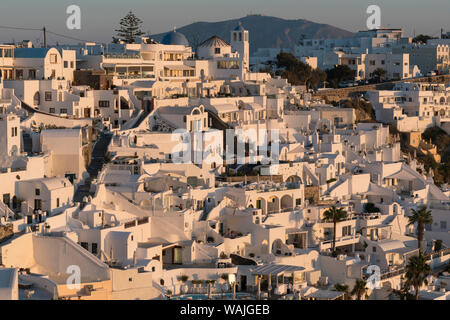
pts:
pixel 346 231
pixel 443 225
pixel 298 202
pixel 217 51
pixel 53 59
pixel 19 74
pixel 85 245
pixel 374 249
pixel 48 96
pixel 94 248
pixel 221 65
pixel 14 132
pixel 66 64
pixel 38 204
pixel 234 64
pixel 72 65
pixel 103 104
pixel 37 192
pixel 63 110
pixel 57 202
pixel 52 110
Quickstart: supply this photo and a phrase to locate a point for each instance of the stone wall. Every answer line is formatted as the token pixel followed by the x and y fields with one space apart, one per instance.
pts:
pixel 345 93
pixel 312 194
pixel 6 232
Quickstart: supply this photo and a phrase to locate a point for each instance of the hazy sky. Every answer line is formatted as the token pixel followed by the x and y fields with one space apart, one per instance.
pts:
pixel 100 17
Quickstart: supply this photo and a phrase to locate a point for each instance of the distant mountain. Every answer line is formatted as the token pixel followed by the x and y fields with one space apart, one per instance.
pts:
pixel 265 31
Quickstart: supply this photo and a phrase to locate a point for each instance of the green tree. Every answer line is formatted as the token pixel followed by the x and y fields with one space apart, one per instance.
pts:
pixel 292 69
pixel 421 217
pixel 130 28
pixel 335 215
pixel 317 78
pixel 379 74
pixel 340 73
pixel 422 38
pixel 359 289
pixel 417 270
pixel 343 288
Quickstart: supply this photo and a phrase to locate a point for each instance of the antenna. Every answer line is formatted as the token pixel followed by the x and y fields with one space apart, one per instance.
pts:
pixel 44 30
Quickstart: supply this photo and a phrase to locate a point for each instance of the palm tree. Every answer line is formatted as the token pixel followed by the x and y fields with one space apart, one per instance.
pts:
pixel 417 270
pixel 421 217
pixel 359 289
pixel 335 215
pixel 343 288
pixel 379 74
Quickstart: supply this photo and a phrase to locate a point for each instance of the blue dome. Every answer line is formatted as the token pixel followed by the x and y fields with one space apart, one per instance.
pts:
pixel 239 27
pixel 175 38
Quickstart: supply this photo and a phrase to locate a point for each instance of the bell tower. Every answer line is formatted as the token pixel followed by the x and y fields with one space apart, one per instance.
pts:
pixel 240 43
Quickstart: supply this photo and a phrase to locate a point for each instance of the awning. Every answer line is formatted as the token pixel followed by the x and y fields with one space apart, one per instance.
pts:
pixel 178 67
pixel 255 106
pixel 376 190
pixel 402 175
pixel 223 108
pixel 275 269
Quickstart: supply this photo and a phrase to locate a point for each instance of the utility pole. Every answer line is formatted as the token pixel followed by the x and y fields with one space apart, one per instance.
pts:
pixel 45 37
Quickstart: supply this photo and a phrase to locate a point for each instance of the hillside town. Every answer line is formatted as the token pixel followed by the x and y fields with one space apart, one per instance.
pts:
pixel 156 170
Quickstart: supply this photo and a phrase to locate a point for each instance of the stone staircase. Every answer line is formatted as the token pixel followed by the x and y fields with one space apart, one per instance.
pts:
pixel 97 162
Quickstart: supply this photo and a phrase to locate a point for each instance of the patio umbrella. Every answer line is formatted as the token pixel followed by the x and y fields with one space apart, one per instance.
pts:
pixel 258 281
pixel 234 290
pixel 209 290
pixel 269 287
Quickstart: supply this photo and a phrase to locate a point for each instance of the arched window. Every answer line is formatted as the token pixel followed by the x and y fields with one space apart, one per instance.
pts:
pixel 37 99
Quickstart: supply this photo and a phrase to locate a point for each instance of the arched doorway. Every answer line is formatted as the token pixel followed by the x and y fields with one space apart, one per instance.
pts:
pixel 273 205
pixel 276 246
pixel 261 204
pixel 293 179
pixel 37 99
pixel 287 203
